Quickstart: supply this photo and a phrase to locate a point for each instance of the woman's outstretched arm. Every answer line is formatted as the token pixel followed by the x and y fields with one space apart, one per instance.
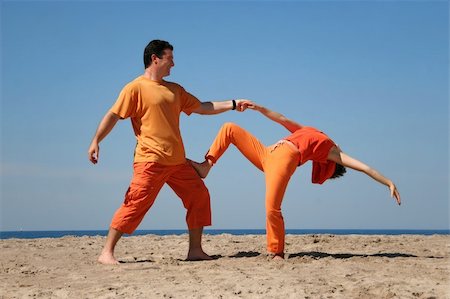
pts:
pixel 289 124
pixel 342 158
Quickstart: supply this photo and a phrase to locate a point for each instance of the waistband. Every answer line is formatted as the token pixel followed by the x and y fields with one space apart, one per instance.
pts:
pixel 285 142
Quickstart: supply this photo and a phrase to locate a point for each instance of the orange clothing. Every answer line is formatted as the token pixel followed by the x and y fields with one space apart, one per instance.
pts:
pixel 148 179
pixel 154 109
pixel 278 162
pixel 314 145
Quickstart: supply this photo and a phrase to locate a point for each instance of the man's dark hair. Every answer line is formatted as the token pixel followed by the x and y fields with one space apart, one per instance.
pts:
pixel 339 171
pixel 156 47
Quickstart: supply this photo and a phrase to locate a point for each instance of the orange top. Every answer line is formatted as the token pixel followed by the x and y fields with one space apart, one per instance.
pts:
pixel 154 109
pixel 314 145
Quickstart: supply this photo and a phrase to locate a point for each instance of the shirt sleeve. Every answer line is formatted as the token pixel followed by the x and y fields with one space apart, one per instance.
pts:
pixel 188 102
pixel 126 104
pixel 321 150
pixel 322 168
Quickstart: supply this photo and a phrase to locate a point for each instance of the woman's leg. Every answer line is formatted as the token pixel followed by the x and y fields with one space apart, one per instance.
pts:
pixel 280 165
pixel 245 142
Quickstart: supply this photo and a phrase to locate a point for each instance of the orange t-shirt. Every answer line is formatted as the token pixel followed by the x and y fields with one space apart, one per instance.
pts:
pixel 154 109
pixel 314 145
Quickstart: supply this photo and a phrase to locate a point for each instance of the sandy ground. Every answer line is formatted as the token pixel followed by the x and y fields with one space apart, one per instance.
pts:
pixel 317 266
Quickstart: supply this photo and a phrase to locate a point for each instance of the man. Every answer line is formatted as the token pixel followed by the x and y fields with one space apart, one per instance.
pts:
pixel 154 106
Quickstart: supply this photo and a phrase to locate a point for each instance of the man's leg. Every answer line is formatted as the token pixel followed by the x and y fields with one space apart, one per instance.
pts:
pixel 107 255
pixel 196 252
pixel 195 196
pixel 148 179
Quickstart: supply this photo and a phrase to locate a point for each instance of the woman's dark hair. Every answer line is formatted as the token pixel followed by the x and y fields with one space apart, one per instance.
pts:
pixel 156 47
pixel 339 171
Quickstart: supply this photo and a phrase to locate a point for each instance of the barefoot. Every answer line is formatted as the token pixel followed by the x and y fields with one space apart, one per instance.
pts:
pixel 107 259
pixel 198 255
pixel 277 256
pixel 201 168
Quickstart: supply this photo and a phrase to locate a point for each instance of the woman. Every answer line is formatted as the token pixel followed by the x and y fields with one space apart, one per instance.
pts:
pixel 279 162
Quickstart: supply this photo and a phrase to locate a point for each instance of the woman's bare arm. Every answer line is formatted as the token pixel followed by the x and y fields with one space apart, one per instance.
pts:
pixel 289 124
pixel 338 156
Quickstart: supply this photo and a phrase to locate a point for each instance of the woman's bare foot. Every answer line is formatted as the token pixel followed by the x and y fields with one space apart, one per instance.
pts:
pixel 198 255
pixel 201 168
pixel 277 256
pixel 107 259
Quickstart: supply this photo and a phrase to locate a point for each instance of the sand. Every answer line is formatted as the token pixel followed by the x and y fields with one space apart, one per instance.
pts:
pixel 317 266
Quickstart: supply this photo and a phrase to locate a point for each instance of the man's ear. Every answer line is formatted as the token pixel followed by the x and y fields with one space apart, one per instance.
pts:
pixel 153 57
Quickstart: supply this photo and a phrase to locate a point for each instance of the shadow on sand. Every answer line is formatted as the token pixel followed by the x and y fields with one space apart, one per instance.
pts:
pixel 320 255
pixel 135 261
pixel 311 254
pixel 245 254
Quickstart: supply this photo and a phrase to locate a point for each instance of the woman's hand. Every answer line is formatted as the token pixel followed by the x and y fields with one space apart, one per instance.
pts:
pixel 255 106
pixel 394 193
pixel 243 104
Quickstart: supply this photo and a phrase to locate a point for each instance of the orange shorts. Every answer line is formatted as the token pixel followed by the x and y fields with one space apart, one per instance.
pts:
pixel 148 179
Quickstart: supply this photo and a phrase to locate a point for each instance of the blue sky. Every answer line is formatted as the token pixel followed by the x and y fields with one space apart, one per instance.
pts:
pixel 372 74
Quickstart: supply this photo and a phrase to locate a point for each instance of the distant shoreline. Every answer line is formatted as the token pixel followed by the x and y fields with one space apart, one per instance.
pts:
pixel 80 233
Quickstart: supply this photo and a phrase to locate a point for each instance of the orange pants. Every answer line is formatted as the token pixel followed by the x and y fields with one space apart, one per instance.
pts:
pixel 278 162
pixel 148 179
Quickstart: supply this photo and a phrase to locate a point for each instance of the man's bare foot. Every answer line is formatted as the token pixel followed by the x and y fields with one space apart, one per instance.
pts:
pixel 198 255
pixel 107 259
pixel 201 168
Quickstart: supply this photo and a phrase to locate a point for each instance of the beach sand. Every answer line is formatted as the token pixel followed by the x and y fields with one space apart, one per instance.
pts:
pixel 317 266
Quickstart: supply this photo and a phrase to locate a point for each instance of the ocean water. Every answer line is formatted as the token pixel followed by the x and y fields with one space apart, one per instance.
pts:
pixel 80 233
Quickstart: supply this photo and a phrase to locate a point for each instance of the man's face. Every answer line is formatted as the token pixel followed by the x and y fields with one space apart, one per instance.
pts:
pixel 165 63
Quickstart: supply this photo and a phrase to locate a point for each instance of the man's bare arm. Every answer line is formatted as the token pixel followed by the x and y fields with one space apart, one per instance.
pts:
pixel 106 125
pixel 209 108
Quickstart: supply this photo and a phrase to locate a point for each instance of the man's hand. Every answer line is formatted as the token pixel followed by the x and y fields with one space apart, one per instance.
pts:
pixel 243 104
pixel 93 152
pixel 106 125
